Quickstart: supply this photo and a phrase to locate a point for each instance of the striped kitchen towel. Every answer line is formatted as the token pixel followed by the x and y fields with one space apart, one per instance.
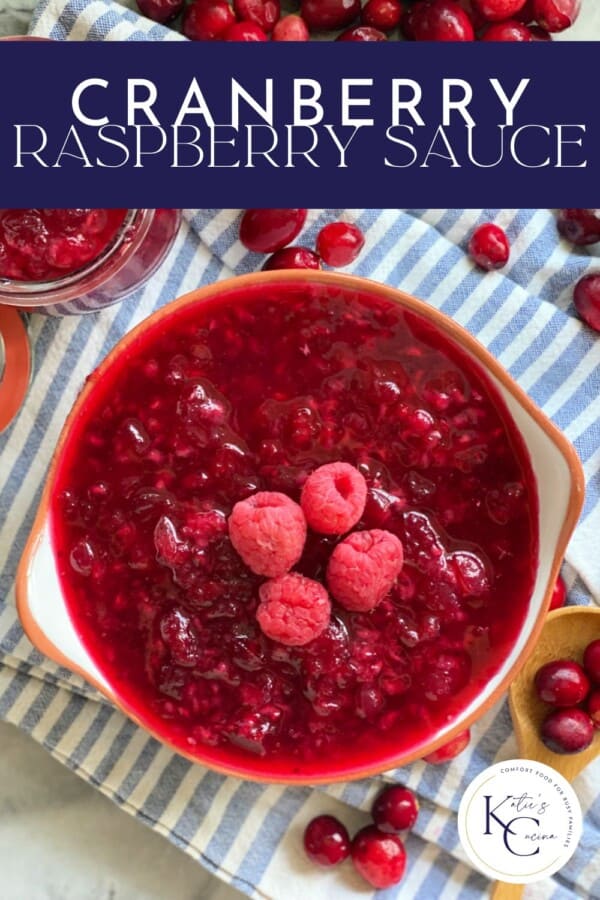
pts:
pixel 249 834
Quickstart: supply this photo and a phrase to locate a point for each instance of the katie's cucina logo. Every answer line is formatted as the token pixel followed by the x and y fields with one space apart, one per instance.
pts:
pixel 519 821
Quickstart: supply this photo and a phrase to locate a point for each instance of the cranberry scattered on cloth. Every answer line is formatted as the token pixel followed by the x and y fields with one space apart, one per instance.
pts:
pixel 489 247
pixel 326 841
pixel 380 858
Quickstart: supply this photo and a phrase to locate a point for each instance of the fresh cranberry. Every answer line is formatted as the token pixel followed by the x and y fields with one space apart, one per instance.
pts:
pixel 489 247
pixel 326 841
pixel 327 15
pixel 248 32
pixel 593 706
pixel 268 230
pixel 579 226
pixel 264 13
pixel 382 14
pixel 561 682
pixel 559 594
pixel 498 10
pixel 586 298
pixel 450 750
pixel 556 15
pixel 406 22
pixel 361 33
pixel 160 10
pixel 525 14
pixel 379 858
pixel 207 20
pixel 567 730
pixel 507 31
pixel 395 809
pixel 591 661
pixel 290 28
pixel 339 243
pixel 293 258
pixel 437 20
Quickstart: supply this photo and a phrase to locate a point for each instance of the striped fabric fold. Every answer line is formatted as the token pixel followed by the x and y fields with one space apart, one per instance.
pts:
pixel 249 834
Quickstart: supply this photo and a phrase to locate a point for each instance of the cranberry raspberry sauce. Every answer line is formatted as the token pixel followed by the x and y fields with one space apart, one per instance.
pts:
pixel 47 244
pixel 252 392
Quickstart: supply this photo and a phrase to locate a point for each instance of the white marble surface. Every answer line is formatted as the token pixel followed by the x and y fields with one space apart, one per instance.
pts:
pixel 60 839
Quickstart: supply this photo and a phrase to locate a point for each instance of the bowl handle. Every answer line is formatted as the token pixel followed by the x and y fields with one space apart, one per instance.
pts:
pixel 43 612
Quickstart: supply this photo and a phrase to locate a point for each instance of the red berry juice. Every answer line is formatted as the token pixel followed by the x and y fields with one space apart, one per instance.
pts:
pixel 252 392
pixel 48 244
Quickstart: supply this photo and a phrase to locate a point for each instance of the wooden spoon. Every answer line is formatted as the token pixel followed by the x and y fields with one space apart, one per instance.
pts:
pixel 565 635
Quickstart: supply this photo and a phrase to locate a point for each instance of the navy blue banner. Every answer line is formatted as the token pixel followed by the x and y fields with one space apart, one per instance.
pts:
pixel 325 124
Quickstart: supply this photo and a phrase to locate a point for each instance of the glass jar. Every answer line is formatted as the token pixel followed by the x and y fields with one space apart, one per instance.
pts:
pixel 129 259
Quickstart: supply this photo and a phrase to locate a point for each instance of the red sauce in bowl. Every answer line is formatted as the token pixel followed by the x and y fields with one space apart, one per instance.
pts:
pixel 253 391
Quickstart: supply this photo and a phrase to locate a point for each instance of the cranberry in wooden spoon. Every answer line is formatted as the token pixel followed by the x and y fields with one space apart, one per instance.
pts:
pixel 567 730
pixel 562 682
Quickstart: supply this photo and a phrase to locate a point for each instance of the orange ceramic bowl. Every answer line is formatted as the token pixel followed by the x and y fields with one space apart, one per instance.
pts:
pixel 555 466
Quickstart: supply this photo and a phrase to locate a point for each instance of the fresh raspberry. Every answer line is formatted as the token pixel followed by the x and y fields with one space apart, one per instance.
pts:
pixel 363 567
pixel 334 498
pixel 293 609
pixel 268 530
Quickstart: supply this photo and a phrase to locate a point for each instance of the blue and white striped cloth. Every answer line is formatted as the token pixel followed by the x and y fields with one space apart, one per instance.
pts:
pixel 248 834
